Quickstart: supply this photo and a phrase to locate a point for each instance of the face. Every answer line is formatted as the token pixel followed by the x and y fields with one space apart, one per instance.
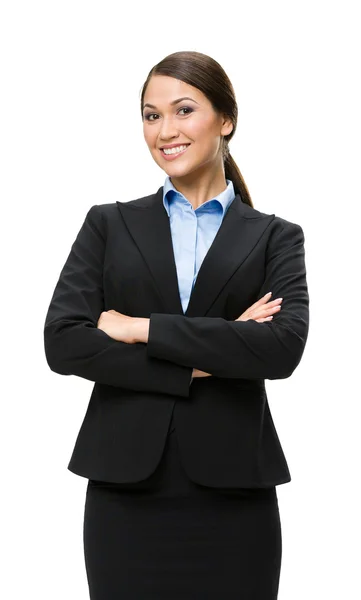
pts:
pixel 191 121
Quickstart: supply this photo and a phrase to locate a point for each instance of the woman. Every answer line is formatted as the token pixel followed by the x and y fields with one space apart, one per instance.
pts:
pixel 178 306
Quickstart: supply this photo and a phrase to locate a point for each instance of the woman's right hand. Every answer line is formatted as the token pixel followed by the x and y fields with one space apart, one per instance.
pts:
pixel 261 311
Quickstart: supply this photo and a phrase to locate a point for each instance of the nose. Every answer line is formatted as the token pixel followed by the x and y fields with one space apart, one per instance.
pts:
pixel 168 129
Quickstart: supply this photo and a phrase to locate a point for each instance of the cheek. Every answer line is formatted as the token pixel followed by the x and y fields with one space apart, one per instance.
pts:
pixel 201 130
pixel 146 139
pixel 149 136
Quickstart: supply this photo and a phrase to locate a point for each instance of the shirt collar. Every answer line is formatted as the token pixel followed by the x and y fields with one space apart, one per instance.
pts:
pixel 224 199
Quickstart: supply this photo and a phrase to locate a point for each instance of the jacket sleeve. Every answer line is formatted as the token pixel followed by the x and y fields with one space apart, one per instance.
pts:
pixel 73 343
pixel 246 349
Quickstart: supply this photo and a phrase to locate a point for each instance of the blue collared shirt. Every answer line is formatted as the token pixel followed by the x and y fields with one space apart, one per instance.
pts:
pixel 193 231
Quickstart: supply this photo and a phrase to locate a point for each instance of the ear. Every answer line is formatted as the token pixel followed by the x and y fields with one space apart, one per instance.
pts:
pixel 227 126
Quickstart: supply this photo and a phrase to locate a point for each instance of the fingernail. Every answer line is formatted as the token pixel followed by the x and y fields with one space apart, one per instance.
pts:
pixel 268 294
pixel 279 298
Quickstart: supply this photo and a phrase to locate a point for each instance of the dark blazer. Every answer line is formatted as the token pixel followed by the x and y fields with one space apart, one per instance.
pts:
pixel 123 259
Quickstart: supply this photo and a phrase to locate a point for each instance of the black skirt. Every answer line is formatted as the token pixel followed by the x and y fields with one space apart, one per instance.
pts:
pixel 168 538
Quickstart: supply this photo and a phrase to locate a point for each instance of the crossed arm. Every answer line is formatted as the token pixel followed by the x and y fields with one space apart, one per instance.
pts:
pixel 249 349
pixel 167 349
pixel 73 343
pixel 132 330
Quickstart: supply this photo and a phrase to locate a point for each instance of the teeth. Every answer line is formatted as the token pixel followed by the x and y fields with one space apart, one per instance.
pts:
pixel 174 150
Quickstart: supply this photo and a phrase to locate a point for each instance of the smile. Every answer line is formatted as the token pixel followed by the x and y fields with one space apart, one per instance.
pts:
pixel 172 153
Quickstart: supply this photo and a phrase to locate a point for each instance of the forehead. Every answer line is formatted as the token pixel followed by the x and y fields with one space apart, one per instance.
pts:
pixel 161 90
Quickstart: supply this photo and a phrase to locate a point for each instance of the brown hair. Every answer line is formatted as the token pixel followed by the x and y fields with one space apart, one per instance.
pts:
pixel 207 75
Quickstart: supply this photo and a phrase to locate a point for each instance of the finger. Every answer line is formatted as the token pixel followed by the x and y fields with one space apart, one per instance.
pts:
pixel 260 309
pixel 259 313
pixel 275 302
pixel 118 314
pixel 264 319
pixel 270 304
pixel 267 309
pixel 262 300
pixel 265 312
pixel 262 304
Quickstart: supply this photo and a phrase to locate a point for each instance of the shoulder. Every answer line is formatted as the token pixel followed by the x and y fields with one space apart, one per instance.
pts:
pixel 283 227
pixel 284 236
pixel 278 226
pixel 98 213
pixel 102 216
pixel 111 209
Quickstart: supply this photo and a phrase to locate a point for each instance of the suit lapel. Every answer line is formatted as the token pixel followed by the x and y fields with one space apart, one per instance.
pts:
pixel 148 224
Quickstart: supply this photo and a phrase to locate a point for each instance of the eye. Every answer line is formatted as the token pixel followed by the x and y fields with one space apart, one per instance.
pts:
pixel 149 115
pixel 187 108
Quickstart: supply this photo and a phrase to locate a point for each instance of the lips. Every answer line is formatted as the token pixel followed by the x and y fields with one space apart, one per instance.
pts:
pixel 166 147
pixel 175 155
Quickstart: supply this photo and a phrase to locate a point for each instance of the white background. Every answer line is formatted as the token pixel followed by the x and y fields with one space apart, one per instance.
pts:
pixel 71 136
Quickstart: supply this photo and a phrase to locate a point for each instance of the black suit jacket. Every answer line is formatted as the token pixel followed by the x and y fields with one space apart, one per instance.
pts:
pixel 123 259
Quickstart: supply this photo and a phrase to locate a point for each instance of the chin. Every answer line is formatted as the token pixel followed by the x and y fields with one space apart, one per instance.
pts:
pixel 174 170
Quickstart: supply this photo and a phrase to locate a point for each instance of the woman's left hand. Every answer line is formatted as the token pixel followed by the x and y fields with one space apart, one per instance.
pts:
pixel 118 326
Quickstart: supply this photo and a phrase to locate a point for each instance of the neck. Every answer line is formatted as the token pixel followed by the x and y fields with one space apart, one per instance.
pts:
pixel 198 187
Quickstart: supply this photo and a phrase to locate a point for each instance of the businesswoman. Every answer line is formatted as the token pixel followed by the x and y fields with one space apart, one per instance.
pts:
pixel 178 305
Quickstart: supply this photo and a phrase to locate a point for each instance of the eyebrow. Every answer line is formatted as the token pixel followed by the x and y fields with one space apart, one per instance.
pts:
pixel 172 103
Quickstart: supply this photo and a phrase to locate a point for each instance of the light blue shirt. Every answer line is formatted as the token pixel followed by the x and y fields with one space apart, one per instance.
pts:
pixel 193 231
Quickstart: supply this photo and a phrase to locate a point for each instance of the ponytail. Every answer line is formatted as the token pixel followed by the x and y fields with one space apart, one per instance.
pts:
pixel 233 173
